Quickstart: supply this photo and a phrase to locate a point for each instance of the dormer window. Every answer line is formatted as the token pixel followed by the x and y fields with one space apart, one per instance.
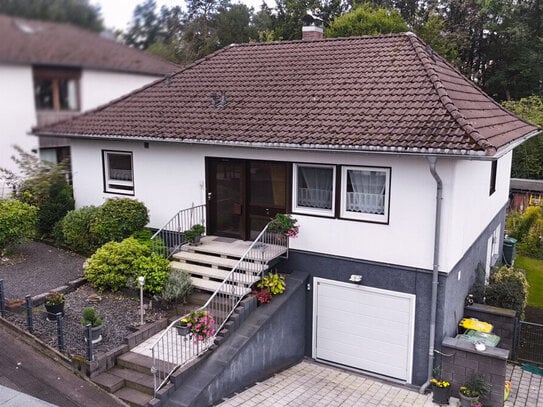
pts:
pixel 56 89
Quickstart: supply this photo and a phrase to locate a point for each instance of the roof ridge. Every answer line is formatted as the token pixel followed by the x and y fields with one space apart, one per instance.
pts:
pixel 444 97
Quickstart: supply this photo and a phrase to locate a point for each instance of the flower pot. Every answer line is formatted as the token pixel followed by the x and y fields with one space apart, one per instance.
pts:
pixel 96 334
pixel 183 330
pixel 466 401
pixel 440 395
pixel 53 310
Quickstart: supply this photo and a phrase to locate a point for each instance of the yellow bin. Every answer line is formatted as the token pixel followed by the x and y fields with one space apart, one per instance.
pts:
pixel 475 324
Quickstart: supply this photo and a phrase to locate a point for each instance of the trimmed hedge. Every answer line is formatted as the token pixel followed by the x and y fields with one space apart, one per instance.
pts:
pixel 17 223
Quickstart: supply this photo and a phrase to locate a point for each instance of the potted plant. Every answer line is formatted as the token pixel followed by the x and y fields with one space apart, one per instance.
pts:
pixel 182 327
pixel 200 324
pixel 441 389
pixel 90 317
pixel 285 225
pixel 194 234
pixel 474 388
pixel 54 303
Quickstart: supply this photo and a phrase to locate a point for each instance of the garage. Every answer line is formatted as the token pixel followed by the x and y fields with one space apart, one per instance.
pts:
pixel 364 328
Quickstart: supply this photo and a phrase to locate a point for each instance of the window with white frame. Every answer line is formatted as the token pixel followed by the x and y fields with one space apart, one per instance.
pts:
pixel 314 189
pixel 365 193
pixel 118 172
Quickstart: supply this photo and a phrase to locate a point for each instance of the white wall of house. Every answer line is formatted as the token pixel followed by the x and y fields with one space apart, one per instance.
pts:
pixel 169 177
pixel 100 87
pixel 18 112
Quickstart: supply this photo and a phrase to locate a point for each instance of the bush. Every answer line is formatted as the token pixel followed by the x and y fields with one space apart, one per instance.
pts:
pixel 508 288
pixel 75 230
pixel 117 219
pixel 144 237
pixel 532 243
pixel 523 225
pixel 118 264
pixel 178 287
pixel 55 207
pixel 17 223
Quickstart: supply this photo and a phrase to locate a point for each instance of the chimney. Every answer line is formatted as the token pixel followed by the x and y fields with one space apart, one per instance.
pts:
pixel 312 28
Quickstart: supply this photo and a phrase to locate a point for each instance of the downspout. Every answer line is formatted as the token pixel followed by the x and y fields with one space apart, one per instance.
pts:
pixel 435 272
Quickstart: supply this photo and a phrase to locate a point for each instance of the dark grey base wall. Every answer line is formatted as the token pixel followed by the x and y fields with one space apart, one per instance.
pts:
pixel 391 278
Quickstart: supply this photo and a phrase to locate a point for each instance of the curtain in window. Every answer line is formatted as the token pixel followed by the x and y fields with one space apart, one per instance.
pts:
pixel 366 191
pixel 315 187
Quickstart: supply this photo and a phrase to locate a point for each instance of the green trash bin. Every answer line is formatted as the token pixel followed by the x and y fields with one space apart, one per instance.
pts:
pixel 509 246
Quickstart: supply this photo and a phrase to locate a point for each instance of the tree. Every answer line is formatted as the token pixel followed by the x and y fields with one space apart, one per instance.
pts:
pixel 233 25
pixel 77 12
pixel 366 20
pixel 145 27
pixel 528 157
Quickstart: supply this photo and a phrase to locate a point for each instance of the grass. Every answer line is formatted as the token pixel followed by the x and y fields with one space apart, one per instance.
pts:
pixel 534 275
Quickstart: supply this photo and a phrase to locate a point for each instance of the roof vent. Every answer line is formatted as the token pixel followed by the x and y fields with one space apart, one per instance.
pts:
pixel 312 28
pixel 218 100
pixel 25 27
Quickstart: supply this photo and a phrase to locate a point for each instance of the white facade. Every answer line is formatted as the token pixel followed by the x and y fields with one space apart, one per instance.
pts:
pixel 170 176
pixel 100 87
pixel 18 112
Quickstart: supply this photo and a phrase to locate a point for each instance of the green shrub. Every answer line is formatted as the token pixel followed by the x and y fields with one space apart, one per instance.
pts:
pixel 75 228
pixel 90 317
pixel 524 224
pixel 118 264
pixel 144 237
pixel 532 243
pixel 178 287
pixel 17 223
pixel 508 288
pixel 117 219
pixel 59 201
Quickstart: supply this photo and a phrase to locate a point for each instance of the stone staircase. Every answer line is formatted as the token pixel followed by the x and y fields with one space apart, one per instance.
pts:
pixel 130 380
pixel 210 263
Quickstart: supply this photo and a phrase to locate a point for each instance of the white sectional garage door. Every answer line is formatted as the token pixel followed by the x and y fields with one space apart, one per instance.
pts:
pixel 364 328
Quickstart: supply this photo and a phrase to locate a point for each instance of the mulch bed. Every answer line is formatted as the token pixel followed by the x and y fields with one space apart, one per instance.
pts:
pixel 39 268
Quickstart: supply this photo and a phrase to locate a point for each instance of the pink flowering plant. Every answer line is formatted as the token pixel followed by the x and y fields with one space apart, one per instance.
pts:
pixel 200 323
pixel 284 224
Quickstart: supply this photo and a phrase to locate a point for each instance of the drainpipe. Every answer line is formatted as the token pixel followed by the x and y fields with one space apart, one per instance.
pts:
pixel 435 272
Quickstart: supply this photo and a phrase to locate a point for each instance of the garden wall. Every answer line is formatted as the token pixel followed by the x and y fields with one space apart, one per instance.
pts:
pixel 502 319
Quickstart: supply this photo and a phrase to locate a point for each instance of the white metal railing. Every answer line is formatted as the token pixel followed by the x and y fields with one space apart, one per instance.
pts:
pixel 172 234
pixel 171 350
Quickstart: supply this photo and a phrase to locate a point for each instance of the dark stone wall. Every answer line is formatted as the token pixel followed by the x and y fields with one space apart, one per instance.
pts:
pixel 461 359
pixel 502 319
pixel 269 340
pixel 387 277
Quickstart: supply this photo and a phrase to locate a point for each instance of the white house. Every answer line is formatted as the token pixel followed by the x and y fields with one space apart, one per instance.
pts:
pixel 51 71
pixel 395 165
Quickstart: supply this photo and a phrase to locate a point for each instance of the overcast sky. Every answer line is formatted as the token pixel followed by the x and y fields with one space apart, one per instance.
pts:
pixel 118 13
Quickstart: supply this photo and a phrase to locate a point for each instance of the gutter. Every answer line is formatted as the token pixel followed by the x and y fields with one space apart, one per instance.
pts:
pixel 435 272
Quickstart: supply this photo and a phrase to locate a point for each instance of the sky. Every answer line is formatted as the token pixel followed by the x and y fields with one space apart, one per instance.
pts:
pixel 118 13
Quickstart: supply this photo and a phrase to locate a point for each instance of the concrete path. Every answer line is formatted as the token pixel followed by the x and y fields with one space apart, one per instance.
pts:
pixel 13 398
pixel 25 370
pixel 526 388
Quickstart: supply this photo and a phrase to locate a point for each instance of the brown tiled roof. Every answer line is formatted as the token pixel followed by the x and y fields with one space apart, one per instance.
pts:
pixel 381 93
pixel 45 43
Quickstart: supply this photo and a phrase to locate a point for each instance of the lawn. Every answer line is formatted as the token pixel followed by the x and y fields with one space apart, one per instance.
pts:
pixel 534 274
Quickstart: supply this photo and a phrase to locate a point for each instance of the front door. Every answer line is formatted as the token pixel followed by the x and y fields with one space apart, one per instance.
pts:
pixel 243 195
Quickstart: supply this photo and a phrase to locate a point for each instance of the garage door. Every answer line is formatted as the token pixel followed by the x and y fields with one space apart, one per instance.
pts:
pixel 364 328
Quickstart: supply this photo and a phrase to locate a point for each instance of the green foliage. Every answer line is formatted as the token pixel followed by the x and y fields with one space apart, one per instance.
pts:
pixel 77 12
pixel 284 224
pixel 178 287
pixel 534 276
pixel 527 228
pixel 75 228
pixel 90 317
pixel 366 20
pixel 273 282
pixel 17 223
pixel 508 288
pixel 41 184
pixel 117 219
pixel 528 157
pixel 116 264
pixel 476 386
pixel 193 233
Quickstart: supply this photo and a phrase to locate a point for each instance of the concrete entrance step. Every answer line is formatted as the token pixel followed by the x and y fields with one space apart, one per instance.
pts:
pixel 132 397
pixel 217 274
pixel 185 256
pixel 218 246
pixel 209 285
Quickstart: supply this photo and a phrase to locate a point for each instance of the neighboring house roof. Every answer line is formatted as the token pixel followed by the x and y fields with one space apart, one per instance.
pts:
pixel 375 93
pixel 529 185
pixel 44 43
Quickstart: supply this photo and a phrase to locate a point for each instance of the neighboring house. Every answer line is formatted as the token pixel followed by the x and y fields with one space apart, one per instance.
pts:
pixel 51 71
pixel 525 192
pixel 355 137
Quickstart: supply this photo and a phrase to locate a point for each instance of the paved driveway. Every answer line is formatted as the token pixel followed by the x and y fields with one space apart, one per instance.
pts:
pixel 313 384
